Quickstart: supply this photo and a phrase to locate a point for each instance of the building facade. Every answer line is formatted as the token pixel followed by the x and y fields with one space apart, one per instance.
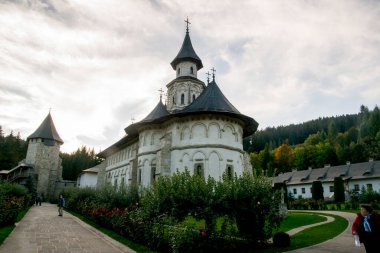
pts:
pixel 197 130
pixel 356 177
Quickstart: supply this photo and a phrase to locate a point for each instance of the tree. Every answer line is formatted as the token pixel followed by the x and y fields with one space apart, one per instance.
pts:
pixel 339 190
pixel 374 122
pixel 317 190
pixel 74 163
pixel 332 132
pixel 284 158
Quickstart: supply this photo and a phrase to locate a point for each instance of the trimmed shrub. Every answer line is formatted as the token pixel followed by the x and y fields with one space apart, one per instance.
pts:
pixel 317 190
pixel 339 190
pixel 281 239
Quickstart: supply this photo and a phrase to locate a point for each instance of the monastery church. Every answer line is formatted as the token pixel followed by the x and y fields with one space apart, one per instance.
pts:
pixel 197 130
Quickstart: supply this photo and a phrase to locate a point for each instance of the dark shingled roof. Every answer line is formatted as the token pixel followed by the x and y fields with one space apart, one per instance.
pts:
pixel 211 100
pixel 47 131
pixel 158 112
pixel 187 53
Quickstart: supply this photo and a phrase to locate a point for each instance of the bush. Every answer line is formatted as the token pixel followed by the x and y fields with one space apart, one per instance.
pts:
pixel 281 239
pixel 13 199
pixel 185 213
pixel 317 190
pixel 339 190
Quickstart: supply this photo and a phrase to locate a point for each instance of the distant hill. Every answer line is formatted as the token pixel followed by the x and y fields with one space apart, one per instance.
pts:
pixel 297 133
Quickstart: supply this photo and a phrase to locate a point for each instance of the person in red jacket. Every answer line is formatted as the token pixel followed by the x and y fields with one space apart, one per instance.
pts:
pixel 367 227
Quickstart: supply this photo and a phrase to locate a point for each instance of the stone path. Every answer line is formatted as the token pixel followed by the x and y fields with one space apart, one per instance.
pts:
pixel 343 243
pixel 43 231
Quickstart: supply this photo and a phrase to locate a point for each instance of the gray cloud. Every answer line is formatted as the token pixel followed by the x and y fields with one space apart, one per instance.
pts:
pixel 98 64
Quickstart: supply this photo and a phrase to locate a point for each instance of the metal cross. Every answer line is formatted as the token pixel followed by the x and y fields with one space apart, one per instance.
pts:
pixel 187 24
pixel 208 77
pixel 213 73
pixel 161 92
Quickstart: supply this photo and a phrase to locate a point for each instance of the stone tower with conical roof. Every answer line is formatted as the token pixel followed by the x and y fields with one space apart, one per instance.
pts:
pixel 43 154
pixel 186 87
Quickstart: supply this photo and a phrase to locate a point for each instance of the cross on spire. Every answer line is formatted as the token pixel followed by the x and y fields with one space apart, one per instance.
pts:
pixel 213 73
pixel 187 24
pixel 49 109
pixel 161 92
pixel 208 77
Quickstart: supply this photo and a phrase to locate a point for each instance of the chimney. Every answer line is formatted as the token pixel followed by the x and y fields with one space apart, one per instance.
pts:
pixel 310 168
pixel 327 165
pixel 370 160
pixel 348 163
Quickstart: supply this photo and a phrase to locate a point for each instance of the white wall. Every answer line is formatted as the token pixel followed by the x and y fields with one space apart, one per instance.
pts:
pixel 87 180
pixel 326 187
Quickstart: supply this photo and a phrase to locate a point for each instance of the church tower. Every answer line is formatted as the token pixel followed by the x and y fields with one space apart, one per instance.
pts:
pixel 43 154
pixel 186 87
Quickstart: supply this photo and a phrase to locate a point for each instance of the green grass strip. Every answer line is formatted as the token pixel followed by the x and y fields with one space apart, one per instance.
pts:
pixel 314 235
pixel 5 231
pixel 298 219
pixel 135 246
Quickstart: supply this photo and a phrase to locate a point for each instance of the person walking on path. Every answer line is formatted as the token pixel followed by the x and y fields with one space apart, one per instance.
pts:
pixel 367 227
pixel 61 204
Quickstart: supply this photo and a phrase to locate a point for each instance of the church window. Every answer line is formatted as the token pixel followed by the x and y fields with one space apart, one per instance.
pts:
pixel 153 178
pixel 115 183
pixel 193 97
pixel 198 170
pixel 178 71
pixel 191 70
pixel 173 100
pixel 182 99
pixel 139 177
pixel 122 182
pixel 229 171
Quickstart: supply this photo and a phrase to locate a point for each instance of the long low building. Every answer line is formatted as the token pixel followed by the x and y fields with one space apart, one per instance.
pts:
pixel 356 176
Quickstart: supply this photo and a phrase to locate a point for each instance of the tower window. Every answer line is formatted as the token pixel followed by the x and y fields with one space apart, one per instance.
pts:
pixel 191 70
pixel 193 97
pixel 173 100
pixel 178 71
pixel 182 99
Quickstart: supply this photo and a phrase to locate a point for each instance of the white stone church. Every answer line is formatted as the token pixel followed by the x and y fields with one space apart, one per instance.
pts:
pixel 197 130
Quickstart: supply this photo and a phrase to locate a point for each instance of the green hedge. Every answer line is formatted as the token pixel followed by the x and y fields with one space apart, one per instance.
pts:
pixel 185 213
pixel 13 199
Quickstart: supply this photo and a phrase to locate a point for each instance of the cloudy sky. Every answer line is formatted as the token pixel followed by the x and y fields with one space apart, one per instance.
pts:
pixel 98 64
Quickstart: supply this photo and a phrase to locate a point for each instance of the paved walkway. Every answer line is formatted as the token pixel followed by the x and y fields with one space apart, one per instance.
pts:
pixel 43 231
pixel 343 243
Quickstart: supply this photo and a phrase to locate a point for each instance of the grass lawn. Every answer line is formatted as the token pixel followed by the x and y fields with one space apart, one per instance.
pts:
pixel 5 231
pixel 296 219
pixel 314 235
pixel 135 246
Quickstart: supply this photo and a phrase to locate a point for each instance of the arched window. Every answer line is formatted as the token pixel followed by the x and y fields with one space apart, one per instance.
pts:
pixel 230 172
pixel 198 170
pixel 182 99
pixel 178 71
pixel 153 178
pixel 173 100
pixel 191 70
pixel 193 97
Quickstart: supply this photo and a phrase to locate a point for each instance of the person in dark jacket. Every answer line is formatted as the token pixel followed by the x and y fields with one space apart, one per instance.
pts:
pixel 367 227
pixel 61 204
